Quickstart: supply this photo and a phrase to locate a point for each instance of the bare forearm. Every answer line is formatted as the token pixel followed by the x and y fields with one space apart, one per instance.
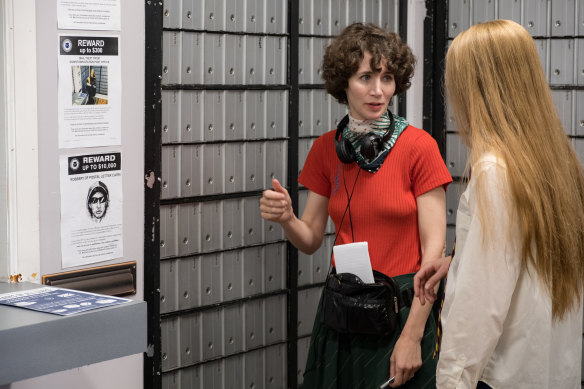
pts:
pixel 302 236
pixel 305 234
pixel 416 323
pixel 419 313
pixel 406 358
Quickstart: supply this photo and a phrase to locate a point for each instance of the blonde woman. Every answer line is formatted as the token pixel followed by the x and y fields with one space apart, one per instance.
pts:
pixel 512 314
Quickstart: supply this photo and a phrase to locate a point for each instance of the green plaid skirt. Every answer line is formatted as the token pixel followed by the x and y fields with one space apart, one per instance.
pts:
pixel 348 361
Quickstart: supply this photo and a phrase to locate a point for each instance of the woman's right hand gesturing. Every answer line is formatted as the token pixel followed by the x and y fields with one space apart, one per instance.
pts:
pixel 276 205
pixel 306 233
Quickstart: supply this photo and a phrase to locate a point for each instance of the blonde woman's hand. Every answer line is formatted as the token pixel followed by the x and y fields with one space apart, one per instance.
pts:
pixel 276 205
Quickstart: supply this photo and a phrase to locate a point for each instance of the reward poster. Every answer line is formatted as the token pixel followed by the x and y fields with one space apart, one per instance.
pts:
pixel 91 208
pixel 89 91
pixel 88 14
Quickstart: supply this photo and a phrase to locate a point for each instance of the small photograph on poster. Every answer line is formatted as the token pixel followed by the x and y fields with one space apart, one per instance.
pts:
pixel 89 85
pixel 91 208
pixel 90 91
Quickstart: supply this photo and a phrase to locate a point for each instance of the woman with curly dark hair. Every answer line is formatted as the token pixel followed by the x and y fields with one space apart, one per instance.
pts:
pixel 383 182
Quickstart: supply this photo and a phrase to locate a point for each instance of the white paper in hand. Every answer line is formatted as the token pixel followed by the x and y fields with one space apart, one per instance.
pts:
pixel 354 258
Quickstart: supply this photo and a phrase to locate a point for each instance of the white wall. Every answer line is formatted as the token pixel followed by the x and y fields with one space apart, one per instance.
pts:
pixel 20 137
pixel 3 156
pixel 122 373
pixel 132 56
pixel 38 229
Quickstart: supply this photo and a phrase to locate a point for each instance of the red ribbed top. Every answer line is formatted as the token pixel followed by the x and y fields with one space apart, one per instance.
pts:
pixel 383 206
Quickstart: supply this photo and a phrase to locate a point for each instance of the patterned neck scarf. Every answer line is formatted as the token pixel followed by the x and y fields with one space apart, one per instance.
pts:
pixel 356 128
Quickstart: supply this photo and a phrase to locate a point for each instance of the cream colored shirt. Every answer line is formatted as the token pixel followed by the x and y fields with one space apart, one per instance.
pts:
pixel 497 318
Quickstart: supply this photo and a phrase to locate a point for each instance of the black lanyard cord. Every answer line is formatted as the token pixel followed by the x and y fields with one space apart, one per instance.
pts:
pixel 347 208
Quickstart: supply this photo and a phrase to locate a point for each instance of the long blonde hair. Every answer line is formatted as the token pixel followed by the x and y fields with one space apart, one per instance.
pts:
pixel 502 104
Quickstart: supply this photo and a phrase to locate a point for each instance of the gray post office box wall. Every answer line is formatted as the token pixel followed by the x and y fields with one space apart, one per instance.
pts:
pixel 225 101
pixel 557 27
pixel 264 368
pixel 225 135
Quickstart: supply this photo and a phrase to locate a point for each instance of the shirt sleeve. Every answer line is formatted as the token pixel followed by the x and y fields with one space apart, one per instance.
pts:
pixel 427 168
pixel 485 276
pixel 314 173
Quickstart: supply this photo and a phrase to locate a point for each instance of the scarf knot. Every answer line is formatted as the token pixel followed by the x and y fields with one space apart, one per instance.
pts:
pixel 356 129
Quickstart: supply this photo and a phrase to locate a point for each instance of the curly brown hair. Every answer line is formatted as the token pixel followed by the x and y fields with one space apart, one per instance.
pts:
pixel 344 55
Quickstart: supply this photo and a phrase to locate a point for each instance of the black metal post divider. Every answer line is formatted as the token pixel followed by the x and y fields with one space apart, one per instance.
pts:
pixel 435 38
pixel 292 276
pixel 152 372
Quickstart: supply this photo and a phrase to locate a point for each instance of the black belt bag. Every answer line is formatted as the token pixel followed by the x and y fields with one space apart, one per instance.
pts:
pixel 352 306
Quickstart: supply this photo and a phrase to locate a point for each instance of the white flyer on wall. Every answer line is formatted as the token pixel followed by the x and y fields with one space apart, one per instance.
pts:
pixel 91 208
pixel 90 91
pixel 88 14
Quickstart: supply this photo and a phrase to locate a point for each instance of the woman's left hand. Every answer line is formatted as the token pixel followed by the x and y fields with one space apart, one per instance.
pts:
pixel 405 360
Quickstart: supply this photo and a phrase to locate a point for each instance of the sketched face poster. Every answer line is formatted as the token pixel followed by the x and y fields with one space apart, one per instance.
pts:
pixel 97 201
pixel 91 208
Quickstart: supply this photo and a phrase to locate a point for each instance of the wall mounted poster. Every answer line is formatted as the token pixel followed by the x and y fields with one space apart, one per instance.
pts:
pixel 88 14
pixel 90 91
pixel 91 208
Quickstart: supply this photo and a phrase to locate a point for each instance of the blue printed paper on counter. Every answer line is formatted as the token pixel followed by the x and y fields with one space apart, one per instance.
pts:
pixel 59 301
